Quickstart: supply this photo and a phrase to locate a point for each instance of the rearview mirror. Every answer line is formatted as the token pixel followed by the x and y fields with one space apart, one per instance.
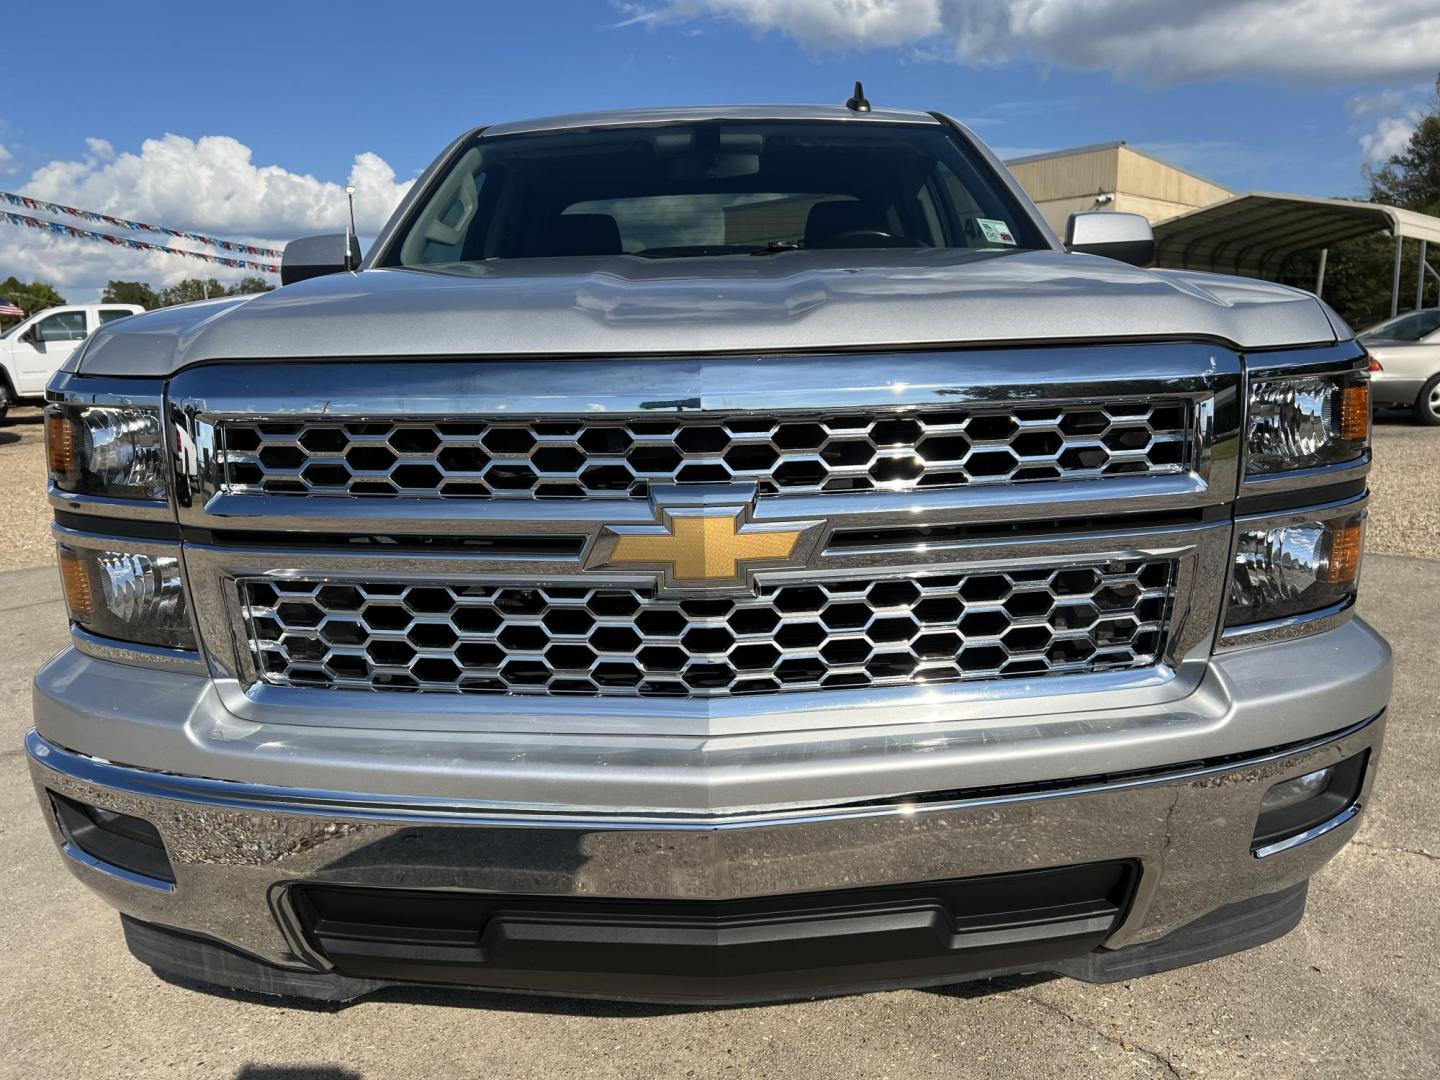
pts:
pixel 315 256
pixel 1124 237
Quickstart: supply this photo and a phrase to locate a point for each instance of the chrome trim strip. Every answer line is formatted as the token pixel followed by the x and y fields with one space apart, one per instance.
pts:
pixel 134 652
pixel 1338 473
pixel 118 872
pixel 1309 834
pixel 68 388
pixel 1293 626
pixel 356 806
pixel 1305 513
pixel 585 516
pixel 1307 360
pixel 100 506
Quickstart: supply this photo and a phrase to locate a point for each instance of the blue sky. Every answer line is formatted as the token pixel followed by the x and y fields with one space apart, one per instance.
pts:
pixel 307 86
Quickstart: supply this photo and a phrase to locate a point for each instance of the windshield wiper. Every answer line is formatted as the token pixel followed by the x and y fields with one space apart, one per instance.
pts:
pixel 777 245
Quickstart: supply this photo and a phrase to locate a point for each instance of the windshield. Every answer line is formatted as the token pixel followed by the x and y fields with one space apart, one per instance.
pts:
pixel 1411 327
pixel 712 188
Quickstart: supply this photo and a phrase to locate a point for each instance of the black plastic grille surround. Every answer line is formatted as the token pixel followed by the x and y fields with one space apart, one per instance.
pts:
pixel 611 641
pixel 782 453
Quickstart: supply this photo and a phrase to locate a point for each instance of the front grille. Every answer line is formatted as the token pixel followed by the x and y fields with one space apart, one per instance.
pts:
pixel 783 453
pixel 605 640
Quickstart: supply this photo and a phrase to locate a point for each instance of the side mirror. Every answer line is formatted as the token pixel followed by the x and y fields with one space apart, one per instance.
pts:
pixel 32 335
pixel 1124 237
pixel 316 256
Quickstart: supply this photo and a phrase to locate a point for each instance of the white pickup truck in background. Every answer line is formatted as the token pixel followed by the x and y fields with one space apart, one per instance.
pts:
pixel 36 348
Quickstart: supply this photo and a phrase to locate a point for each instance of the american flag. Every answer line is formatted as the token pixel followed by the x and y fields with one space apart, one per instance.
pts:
pixel 7 309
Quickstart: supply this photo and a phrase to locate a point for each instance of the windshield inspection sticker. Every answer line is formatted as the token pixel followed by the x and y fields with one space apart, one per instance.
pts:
pixel 997 232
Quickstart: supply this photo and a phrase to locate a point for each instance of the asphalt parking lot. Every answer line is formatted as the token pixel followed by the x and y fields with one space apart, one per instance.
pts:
pixel 1353 992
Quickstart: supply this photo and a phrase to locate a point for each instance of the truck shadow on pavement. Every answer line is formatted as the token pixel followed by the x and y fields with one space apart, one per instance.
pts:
pixel 297 1072
pixel 543 1005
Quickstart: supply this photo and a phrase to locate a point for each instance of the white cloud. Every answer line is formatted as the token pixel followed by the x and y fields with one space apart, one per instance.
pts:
pixel 208 185
pixel 1157 41
pixel 5 160
pixel 1391 136
pixel 1370 104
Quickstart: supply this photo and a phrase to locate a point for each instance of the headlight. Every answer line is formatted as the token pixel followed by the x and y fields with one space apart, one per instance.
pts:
pixel 126 595
pixel 1295 567
pixel 114 451
pixel 1307 422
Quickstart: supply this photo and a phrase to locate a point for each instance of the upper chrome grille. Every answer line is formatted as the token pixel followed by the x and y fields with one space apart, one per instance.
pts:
pixel 783 453
pixel 604 640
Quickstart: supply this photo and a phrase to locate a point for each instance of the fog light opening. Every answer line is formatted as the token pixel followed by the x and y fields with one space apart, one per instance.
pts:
pixel 114 840
pixel 1304 807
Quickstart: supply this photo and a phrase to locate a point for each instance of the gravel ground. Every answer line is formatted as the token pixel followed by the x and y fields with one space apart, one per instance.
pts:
pixel 1404 513
pixel 24 511
pixel 1405 489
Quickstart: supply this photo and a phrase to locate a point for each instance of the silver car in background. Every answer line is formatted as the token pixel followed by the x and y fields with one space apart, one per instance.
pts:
pixel 1405 352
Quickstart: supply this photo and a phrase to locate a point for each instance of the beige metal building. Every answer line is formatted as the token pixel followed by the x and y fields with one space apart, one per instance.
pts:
pixel 1111 176
pixel 1203 226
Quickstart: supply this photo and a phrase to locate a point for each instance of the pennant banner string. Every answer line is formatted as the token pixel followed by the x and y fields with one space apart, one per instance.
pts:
pixel 136 226
pixel 61 229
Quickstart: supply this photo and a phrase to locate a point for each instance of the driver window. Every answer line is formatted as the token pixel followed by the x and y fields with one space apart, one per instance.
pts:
pixel 64 326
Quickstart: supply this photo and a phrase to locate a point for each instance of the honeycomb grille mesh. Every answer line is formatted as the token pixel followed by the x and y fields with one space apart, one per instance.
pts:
pixel 603 641
pixel 782 453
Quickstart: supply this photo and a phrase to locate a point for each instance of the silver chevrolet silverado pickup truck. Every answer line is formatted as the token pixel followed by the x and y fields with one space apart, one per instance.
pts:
pixel 712 555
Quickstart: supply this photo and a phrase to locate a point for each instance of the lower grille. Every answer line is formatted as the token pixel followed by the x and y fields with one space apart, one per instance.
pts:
pixel 611 641
pixel 715 949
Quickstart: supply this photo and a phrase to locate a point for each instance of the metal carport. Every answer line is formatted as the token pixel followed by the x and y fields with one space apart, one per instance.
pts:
pixel 1253 234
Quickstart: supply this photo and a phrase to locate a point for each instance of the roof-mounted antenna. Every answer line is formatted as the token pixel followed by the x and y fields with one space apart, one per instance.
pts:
pixel 858 102
pixel 352 240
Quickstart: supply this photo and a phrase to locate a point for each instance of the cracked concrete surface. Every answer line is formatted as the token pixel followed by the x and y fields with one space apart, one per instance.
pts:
pixel 1353 992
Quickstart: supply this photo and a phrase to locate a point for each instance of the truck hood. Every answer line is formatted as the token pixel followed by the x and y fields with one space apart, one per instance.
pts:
pixel 789 302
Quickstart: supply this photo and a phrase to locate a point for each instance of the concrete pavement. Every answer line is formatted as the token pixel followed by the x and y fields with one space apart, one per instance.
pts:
pixel 1354 992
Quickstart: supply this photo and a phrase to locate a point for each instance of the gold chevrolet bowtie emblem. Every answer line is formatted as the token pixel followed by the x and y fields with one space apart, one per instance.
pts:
pixel 703 547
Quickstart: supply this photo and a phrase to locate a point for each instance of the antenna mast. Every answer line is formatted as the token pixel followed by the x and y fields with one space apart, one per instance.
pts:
pixel 352 241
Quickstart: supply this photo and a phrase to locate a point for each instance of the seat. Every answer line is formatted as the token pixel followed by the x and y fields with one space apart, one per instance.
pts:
pixel 583 234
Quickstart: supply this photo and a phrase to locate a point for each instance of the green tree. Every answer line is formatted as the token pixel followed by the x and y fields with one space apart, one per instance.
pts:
pixel 189 290
pixel 250 284
pixel 1411 178
pixel 192 289
pixel 130 292
pixel 30 297
pixel 1359 272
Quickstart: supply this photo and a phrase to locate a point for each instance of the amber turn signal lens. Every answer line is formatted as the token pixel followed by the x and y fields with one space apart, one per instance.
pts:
pixel 60 443
pixel 1355 412
pixel 75 577
pixel 1346 543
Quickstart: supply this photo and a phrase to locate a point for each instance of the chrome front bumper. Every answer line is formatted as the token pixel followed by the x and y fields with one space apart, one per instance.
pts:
pixel 236 848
